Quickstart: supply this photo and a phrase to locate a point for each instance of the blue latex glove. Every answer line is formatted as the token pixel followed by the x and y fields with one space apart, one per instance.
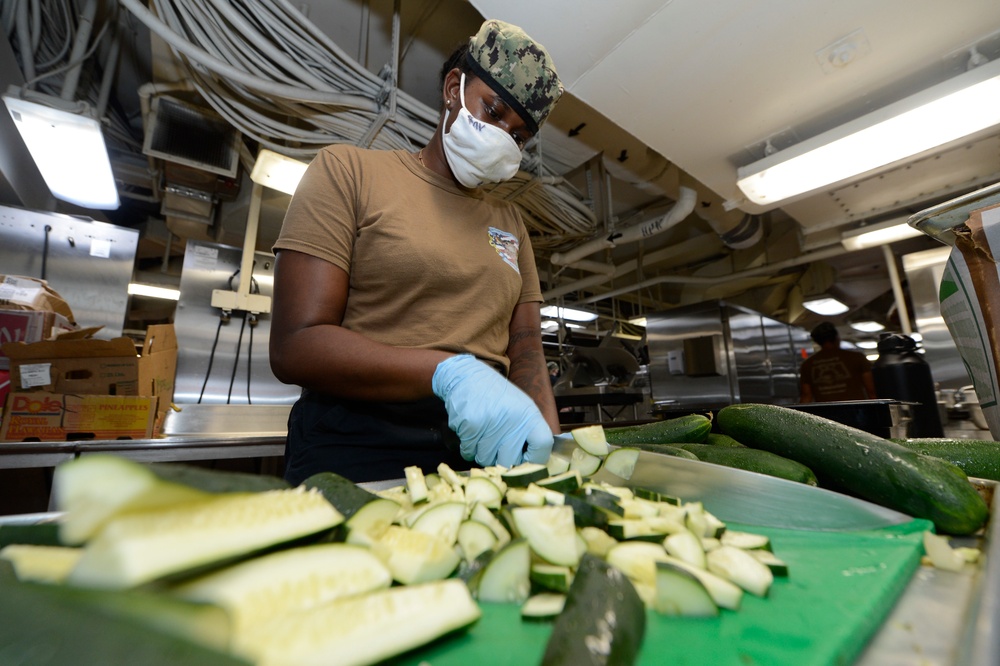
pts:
pixel 492 418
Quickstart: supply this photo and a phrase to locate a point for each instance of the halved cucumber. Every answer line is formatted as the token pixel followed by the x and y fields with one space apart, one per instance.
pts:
pixel 415 557
pixel 369 628
pixel 506 577
pixel 678 592
pixel 260 590
pixel 139 547
pixel 550 531
pixel 742 568
pixel 519 476
pixel 592 440
pixel 543 607
pixel 621 462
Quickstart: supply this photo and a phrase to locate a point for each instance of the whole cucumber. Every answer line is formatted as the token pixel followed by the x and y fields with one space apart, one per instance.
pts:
pixel 692 428
pixel 976 457
pixel 753 460
pixel 862 464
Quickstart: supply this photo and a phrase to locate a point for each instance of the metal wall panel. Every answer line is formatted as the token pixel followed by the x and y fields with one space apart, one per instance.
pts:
pixel 88 263
pixel 217 351
pixel 752 375
pixel 782 361
pixel 923 276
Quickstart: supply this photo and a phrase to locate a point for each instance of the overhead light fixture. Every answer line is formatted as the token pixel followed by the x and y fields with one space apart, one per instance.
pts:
pixel 152 291
pixel 876 235
pixel 68 149
pixel 825 306
pixel 938 115
pixel 867 344
pixel 638 321
pixel 570 314
pixel 872 357
pixel 277 171
pixel 867 326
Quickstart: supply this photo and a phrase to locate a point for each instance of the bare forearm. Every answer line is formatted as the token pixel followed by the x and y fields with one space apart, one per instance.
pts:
pixel 528 372
pixel 340 362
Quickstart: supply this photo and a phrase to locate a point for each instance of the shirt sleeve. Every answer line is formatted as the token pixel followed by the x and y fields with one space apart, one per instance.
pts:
pixel 321 219
pixel 531 290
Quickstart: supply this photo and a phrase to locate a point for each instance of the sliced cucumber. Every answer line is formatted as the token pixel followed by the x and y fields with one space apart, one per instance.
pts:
pixel 507 577
pixel 778 567
pixel 543 607
pixel 621 462
pixel 584 463
pixel 745 540
pixel 592 440
pixel 485 491
pixel 565 482
pixel 481 514
pixel 643 530
pixel 31 534
pixel 416 485
pixel 369 628
pixel 655 496
pixel 602 499
pixel 686 547
pixel 139 547
pixel 553 577
pixel 940 552
pixel 678 592
pixel 586 514
pixel 415 557
pixel 550 531
pixel 442 520
pixel 371 521
pixel 637 560
pixel 741 568
pixel 41 564
pixel 557 464
pixel 597 541
pixel 475 538
pixel 530 496
pixel 450 475
pixel 724 593
pixel 519 476
pixel 260 590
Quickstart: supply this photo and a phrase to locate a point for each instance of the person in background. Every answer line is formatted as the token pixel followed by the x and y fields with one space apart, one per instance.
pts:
pixel 406 298
pixel 832 373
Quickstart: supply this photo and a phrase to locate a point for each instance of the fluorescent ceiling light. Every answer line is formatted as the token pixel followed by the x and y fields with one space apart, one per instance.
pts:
pixel 638 321
pixel 152 291
pixel 867 326
pixel 943 113
pixel 826 306
pixel 872 357
pixel 278 172
pixel 68 149
pixel 571 314
pixel 867 344
pixel 859 239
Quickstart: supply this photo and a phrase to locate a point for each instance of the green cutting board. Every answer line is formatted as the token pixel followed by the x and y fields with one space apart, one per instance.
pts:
pixel 840 588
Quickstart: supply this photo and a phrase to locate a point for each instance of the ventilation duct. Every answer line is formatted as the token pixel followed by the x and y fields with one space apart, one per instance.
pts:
pixel 188 135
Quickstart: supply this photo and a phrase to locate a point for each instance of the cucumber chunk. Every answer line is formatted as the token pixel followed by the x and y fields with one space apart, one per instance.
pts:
pixel 678 592
pixel 550 531
pixel 584 463
pixel 415 557
pixel 552 577
pixel 621 462
pixel 474 539
pixel 741 568
pixel 686 547
pixel 519 476
pixel 543 607
pixel 442 521
pixel 41 564
pixel 591 439
pixel 416 485
pixel 507 576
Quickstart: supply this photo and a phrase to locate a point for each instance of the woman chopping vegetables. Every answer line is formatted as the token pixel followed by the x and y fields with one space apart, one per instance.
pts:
pixel 406 299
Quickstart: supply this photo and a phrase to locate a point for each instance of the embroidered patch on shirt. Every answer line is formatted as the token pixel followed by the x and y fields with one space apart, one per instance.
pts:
pixel 506 246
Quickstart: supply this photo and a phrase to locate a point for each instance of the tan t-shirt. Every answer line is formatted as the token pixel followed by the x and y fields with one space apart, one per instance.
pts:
pixel 430 265
pixel 835 374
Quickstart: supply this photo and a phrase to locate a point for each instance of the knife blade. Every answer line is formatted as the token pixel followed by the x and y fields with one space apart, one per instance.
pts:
pixel 735 495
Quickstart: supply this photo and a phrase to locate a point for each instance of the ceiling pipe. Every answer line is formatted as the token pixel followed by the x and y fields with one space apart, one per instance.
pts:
pixel 719 279
pixel 692 250
pixel 738 230
pixel 680 210
pixel 85 27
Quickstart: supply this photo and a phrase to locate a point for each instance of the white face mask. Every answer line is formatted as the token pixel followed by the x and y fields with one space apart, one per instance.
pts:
pixel 479 152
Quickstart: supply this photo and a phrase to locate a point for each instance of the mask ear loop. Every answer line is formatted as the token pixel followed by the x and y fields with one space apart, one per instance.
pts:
pixel 447 111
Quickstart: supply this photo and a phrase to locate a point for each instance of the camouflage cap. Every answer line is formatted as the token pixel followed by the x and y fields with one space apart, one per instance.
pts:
pixel 518 68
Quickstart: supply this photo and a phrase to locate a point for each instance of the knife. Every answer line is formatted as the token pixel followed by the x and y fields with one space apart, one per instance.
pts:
pixel 739 496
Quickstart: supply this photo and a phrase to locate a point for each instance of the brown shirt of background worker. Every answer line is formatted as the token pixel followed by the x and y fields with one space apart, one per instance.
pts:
pixel 835 374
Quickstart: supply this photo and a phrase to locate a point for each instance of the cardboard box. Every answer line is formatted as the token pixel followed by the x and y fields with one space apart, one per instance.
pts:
pixel 25 293
pixel 43 416
pixel 99 368
pixel 28 326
